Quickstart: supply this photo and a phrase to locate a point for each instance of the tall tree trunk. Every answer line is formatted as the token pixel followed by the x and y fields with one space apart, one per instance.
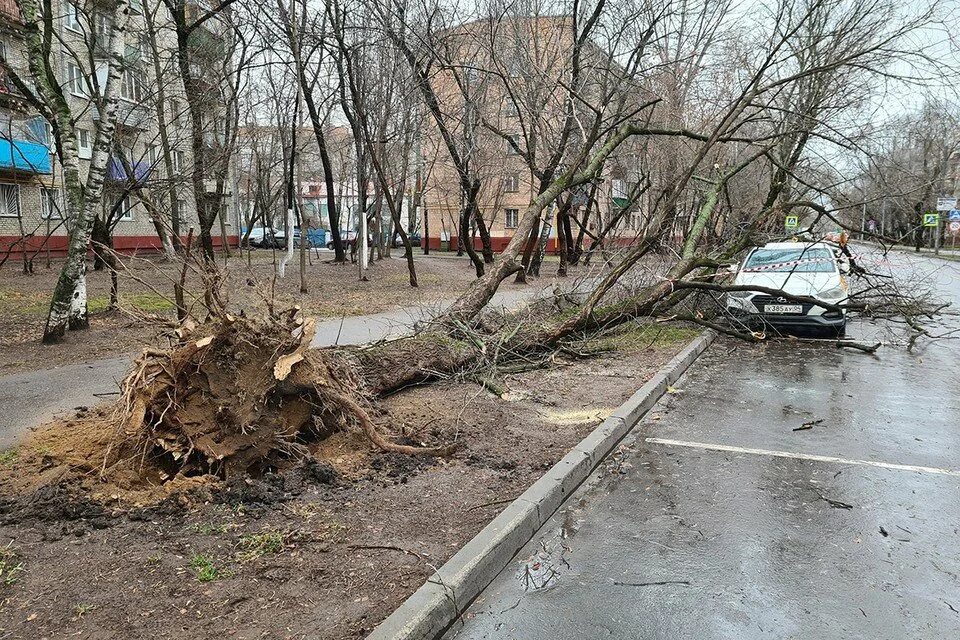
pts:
pixel 68 306
pixel 425 240
pixel 166 152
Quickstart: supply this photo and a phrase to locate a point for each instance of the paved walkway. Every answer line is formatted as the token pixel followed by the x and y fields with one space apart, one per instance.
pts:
pixel 33 397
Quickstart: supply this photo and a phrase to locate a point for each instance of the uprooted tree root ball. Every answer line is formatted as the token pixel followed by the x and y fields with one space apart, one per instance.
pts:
pixel 239 396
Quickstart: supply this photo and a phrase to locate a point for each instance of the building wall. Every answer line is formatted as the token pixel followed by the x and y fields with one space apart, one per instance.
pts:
pixel 137 131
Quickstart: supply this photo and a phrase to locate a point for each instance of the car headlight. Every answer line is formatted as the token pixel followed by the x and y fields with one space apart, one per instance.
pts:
pixel 833 294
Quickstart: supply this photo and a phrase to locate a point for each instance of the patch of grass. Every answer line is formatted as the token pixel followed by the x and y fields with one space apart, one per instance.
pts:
pixel 204 568
pixel 255 545
pixel 149 302
pixel 7 456
pixel 635 339
pixel 21 303
pixel 10 568
pixel 154 560
pixel 98 304
pixel 83 609
pixel 37 303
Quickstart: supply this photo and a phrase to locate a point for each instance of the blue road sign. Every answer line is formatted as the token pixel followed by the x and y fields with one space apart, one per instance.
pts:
pixel 953 214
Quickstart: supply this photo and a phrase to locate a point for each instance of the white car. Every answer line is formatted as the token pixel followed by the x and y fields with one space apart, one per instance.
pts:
pixel 809 269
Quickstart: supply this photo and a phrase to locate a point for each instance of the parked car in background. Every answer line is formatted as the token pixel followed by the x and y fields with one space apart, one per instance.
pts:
pixel 809 269
pixel 263 238
pixel 414 240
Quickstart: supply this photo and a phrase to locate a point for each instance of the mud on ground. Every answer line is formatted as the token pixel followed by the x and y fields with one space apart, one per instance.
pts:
pixel 326 550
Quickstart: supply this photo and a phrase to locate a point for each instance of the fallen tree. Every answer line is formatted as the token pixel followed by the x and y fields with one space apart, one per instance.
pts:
pixel 241 393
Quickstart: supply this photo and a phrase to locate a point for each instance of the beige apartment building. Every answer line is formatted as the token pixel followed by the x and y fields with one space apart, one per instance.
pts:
pixel 504 110
pixel 31 198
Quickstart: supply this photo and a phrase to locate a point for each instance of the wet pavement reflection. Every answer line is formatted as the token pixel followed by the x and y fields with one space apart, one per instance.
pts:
pixel 693 529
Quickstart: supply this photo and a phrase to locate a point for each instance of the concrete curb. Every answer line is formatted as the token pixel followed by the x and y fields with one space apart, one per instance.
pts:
pixel 432 608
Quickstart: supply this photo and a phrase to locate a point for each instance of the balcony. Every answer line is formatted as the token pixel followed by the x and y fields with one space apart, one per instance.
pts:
pixel 24 157
pixel 10 96
pixel 130 115
pixel 117 172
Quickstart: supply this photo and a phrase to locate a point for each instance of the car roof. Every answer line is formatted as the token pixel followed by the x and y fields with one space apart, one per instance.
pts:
pixel 794 245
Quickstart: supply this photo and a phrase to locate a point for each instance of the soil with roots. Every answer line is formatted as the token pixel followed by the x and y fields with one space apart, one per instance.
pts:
pixel 233 399
pixel 320 545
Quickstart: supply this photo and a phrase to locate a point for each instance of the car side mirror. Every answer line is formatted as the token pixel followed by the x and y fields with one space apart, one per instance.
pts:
pixel 844 266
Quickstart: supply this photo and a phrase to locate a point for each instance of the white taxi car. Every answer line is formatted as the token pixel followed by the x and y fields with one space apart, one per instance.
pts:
pixel 809 269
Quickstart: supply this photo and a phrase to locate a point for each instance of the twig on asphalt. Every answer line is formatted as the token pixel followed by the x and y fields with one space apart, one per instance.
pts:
pixel 809 425
pixel 658 583
pixel 836 504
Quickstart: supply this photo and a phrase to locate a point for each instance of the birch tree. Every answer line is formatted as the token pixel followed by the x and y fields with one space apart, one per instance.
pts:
pixel 45 91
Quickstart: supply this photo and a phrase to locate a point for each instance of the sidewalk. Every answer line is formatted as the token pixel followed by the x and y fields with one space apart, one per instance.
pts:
pixel 34 397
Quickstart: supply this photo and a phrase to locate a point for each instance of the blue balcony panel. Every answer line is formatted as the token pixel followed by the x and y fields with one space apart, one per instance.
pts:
pixel 20 155
pixel 116 171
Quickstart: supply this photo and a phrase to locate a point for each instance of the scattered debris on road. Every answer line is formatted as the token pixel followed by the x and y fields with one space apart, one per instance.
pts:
pixel 659 583
pixel 809 425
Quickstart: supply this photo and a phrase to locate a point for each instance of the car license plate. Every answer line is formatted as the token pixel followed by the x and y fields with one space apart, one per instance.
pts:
pixel 782 308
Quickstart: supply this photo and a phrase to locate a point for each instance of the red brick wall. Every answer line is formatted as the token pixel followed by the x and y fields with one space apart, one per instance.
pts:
pixel 122 244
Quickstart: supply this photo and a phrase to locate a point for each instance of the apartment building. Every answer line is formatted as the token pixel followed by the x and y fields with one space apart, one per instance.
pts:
pixel 152 158
pixel 261 172
pixel 506 88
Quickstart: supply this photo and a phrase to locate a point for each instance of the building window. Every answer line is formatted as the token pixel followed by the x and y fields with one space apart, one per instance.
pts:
pixel 178 161
pixel 513 144
pixel 511 183
pixel 9 201
pixel 511 218
pixel 121 208
pixel 84 144
pixel 72 18
pixel 75 80
pixel 40 131
pixel 175 112
pixel 180 213
pixel 51 203
pixel 101 28
pixel 618 189
pixel 131 86
pixel 152 155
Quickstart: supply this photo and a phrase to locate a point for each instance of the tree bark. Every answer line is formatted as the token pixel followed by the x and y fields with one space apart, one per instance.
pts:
pixel 68 306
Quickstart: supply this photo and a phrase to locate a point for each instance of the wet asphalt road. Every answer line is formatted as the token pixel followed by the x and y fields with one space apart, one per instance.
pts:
pixel 712 521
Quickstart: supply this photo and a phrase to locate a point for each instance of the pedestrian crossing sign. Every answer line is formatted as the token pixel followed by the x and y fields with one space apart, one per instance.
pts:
pixel 792 222
pixel 931 219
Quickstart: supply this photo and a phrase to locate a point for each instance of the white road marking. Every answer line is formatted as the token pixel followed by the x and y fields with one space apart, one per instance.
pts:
pixel 802 456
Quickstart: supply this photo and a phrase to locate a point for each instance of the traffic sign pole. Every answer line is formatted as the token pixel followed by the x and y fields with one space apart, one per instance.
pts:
pixel 936 238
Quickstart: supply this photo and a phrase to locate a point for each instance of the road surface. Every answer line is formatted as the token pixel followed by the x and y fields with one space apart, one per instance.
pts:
pixel 722 517
pixel 34 397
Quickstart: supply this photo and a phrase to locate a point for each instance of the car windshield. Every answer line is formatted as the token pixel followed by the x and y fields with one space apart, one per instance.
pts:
pixel 797 260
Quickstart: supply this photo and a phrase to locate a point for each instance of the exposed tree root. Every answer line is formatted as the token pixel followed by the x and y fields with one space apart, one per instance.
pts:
pixel 240 396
